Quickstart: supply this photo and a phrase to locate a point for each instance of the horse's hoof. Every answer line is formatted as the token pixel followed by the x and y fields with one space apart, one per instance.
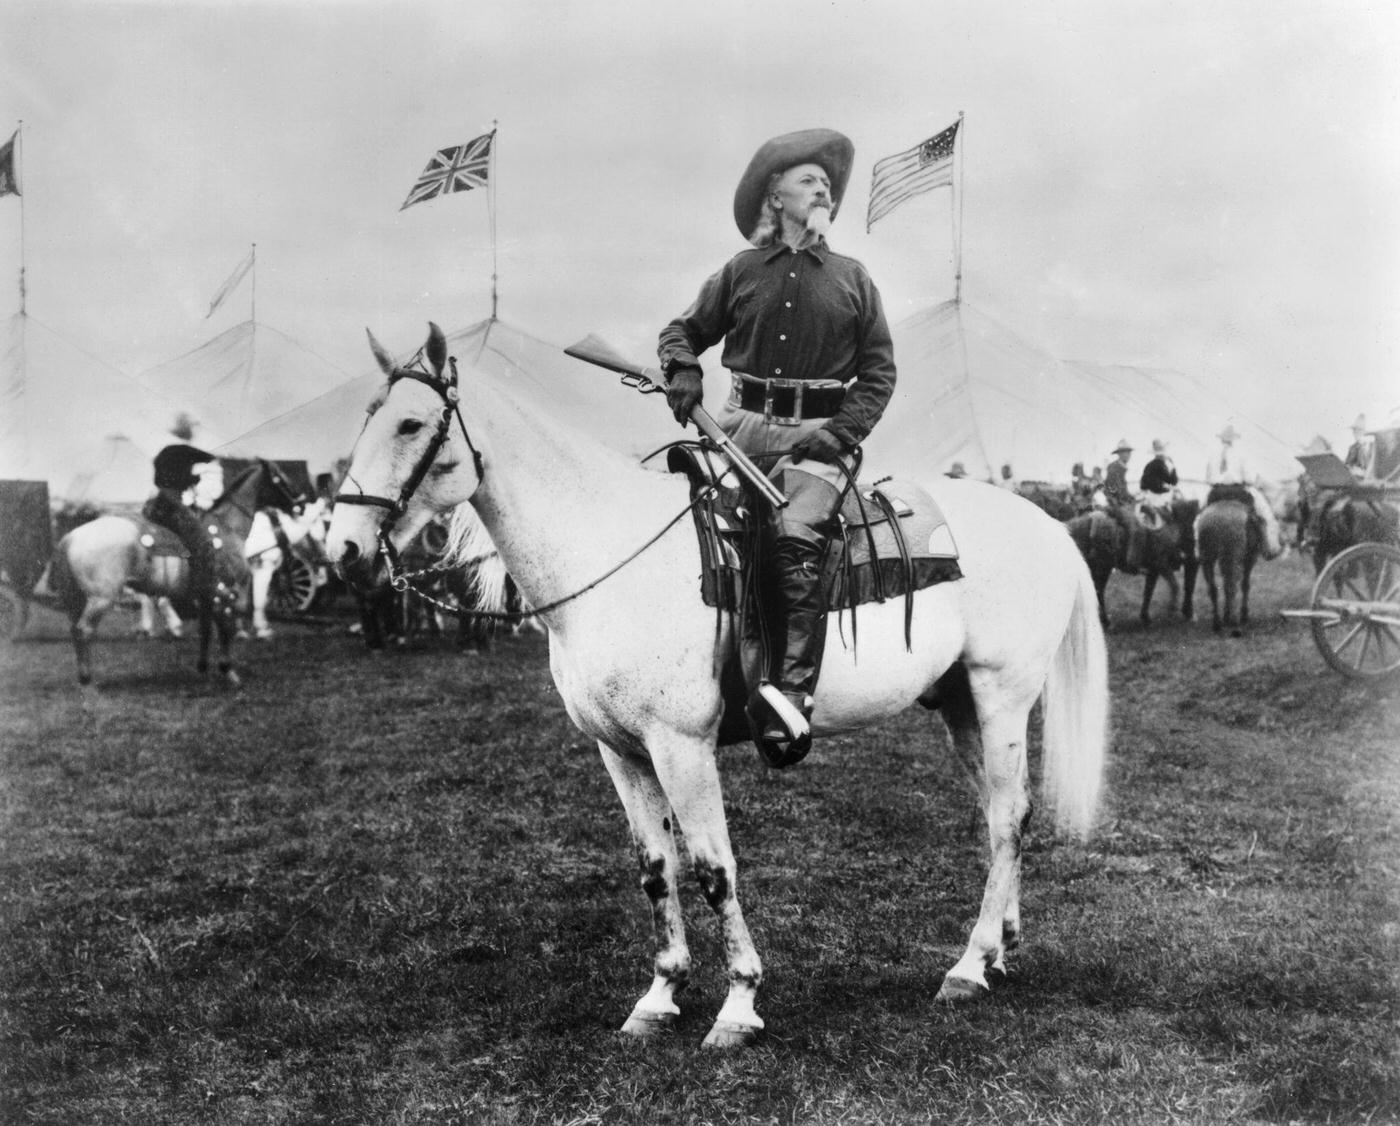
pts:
pixel 960 991
pixel 84 679
pixel 648 1025
pixel 1237 632
pixel 730 1034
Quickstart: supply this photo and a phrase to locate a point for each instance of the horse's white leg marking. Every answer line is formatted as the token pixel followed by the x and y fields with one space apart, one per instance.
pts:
pixel 649 816
pixel 262 568
pixel 1002 712
pixel 686 768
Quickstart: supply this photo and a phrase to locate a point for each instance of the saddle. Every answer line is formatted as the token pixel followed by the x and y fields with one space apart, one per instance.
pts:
pixel 893 540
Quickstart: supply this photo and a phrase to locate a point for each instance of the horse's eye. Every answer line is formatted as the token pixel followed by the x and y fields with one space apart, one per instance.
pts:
pixel 410 426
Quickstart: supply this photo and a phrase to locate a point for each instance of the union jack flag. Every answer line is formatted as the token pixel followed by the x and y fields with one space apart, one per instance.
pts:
pixel 458 169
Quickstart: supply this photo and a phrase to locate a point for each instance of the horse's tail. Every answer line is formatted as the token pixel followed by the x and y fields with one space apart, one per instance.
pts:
pixel 1076 715
pixel 64 583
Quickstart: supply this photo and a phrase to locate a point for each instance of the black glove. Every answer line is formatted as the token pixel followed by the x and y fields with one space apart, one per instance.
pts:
pixel 819 445
pixel 684 390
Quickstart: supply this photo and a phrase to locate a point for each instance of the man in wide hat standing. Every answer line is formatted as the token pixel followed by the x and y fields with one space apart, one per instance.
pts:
pixel 811 368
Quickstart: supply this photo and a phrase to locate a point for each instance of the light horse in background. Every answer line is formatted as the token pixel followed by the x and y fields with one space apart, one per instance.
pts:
pixel 96 562
pixel 637 655
pixel 1228 539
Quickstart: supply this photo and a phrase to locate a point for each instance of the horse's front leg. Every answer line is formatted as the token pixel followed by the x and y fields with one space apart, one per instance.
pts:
pixel 649 817
pixel 687 772
pixel 1006 800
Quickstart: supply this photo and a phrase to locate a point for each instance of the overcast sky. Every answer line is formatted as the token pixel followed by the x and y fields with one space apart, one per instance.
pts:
pixel 1208 187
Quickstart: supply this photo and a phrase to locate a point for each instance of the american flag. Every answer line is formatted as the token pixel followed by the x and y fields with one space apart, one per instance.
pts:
pixel 457 169
pixel 926 166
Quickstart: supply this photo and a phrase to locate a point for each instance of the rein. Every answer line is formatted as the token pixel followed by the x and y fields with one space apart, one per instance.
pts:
pixel 446 388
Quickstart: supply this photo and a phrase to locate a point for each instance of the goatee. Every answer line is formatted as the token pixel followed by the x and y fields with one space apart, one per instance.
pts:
pixel 819 221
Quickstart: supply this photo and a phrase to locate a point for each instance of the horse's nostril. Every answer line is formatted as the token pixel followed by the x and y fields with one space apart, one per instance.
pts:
pixel 349 554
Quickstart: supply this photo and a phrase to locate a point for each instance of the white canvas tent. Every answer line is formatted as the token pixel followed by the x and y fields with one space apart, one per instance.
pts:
pixel 970 390
pixel 241 378
pixel 69 418
pixel 323 430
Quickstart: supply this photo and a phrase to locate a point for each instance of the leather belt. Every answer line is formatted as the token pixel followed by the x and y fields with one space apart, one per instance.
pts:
pixel 787 401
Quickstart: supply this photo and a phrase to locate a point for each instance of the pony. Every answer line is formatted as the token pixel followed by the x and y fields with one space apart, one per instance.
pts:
pixel 96 561
pixel 1227 537
pixel 1165 549
pixel 605 550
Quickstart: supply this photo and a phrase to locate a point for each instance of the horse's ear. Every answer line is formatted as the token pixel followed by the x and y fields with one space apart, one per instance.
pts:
pixel 386 361
pixel 436 348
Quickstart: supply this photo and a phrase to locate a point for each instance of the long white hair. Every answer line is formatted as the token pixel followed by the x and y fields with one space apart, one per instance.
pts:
pixel 469 546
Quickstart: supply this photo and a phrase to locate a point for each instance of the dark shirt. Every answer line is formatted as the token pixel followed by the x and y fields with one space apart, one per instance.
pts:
pixel 1158 476
pixel 1115 483
pixel 810 314
pixel 175 466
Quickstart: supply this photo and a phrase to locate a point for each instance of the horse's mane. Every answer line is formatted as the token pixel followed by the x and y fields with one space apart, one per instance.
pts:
pixel 469 547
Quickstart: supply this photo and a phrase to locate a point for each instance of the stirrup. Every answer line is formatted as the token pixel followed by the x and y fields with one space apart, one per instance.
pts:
pixel 781 730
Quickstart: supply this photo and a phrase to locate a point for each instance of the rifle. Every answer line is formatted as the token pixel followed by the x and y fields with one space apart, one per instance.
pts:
pixel 649 381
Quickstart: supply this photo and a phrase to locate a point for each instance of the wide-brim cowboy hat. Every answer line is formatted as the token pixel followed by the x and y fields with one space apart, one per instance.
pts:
pixel 1229 434
pixel 1122 447
pixel 832 150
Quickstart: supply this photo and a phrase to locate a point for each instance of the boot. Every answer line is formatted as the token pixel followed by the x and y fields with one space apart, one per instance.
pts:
pixel 799 636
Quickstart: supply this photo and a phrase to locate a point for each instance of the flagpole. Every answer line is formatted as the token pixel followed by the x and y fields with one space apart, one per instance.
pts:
pixel 253 301
pixel 957 212
pixel 491 213
pixel 19 165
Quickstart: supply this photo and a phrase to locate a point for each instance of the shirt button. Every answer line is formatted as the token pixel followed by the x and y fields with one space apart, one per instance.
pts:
pixel 792 274
pixel 777 371
pixel 787 304
pixel 782 336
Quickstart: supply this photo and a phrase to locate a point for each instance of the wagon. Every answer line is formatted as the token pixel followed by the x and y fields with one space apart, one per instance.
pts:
pixel 1354 611
pixel 26 542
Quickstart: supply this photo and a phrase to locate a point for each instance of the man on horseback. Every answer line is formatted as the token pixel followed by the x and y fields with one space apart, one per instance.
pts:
pixel 812 369
pixel 1122 506
pixel 174 476
pixel 1230 478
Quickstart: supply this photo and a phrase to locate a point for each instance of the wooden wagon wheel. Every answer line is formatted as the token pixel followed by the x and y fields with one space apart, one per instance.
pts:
pixel 293 586
pixel 1356 611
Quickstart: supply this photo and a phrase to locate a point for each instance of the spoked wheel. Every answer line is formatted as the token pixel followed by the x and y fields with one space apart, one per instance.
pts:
pixel 1356 611
pixel 293 586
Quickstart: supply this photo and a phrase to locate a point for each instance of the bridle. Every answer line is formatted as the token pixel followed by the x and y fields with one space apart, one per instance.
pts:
pixel 445 386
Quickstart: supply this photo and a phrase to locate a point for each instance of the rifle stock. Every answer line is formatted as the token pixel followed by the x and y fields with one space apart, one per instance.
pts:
pixel 595 351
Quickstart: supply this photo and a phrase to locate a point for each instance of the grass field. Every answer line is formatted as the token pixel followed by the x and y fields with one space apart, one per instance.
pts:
pixel 397 888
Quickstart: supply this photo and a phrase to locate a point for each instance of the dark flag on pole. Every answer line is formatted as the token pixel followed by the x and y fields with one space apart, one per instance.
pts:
pixel 457 169
pixel 926 166
pixel 9 174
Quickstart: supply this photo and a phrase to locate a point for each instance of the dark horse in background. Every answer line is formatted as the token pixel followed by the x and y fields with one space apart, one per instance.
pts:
pixel 95 562
pixel 1102 542
pixel 1344 519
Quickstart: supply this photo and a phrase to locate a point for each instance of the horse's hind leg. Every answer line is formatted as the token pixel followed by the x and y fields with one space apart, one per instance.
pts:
pixel 996 725
pixel 84 625
pixel 649 817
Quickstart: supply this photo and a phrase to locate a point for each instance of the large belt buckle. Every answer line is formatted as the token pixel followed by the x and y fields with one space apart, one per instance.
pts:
pixel 769 387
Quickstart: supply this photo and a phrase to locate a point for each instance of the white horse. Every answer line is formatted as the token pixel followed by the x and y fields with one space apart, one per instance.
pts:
pixel 265 554
pixel 637 655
